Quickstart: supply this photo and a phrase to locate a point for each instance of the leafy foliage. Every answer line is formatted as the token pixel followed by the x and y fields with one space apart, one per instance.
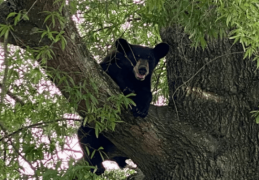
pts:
pixel 118 174
pixel 35 114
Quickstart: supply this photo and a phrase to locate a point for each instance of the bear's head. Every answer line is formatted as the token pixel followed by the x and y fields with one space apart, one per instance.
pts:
pixel 143 59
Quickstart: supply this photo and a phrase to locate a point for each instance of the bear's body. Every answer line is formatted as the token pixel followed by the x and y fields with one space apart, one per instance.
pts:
pixel 131 67
pixel 87 137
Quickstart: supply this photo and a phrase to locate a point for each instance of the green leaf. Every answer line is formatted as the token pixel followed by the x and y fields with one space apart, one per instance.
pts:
pixel 25 17
pixel 101 155
pixel 12 14
pixel 203 42
pixel 93 153
pixel 257 120
pixel 87 150
pixel 17 18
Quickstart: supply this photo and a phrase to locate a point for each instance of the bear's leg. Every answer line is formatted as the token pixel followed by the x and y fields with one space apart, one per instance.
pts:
pixel 88 139
pixel 142 99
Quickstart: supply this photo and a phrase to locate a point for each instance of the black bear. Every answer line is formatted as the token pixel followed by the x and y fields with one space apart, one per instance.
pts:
pixel 131 67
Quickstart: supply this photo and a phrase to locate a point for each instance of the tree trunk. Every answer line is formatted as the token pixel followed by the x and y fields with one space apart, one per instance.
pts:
pixel 206 131
pixel 213 91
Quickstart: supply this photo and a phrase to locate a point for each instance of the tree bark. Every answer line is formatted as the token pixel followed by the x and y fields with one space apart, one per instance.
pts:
pixel 213 91
pixel 206 131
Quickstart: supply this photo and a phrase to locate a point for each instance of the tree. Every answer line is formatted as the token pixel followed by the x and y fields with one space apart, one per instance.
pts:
pixel 206 131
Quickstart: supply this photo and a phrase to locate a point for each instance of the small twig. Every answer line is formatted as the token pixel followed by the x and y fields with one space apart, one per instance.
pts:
pixel 17 99
pixel 133 19
pixel 17 151
pixel 3 92
pixel 31 7
pixel 100 29
pixel 74 151
pixel 5 158
pixel 35 125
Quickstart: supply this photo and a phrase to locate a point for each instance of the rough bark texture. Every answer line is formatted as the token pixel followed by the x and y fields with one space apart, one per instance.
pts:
pixel 214 91
pixel 206 131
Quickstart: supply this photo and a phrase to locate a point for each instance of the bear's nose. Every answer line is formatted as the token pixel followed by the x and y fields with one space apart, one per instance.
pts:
pixel 142 71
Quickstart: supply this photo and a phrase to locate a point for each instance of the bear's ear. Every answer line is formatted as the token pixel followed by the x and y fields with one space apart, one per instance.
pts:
pixel 122 45
pixel 161 50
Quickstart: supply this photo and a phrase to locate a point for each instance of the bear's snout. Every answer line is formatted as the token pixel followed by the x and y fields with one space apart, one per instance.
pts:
pixel 142 70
